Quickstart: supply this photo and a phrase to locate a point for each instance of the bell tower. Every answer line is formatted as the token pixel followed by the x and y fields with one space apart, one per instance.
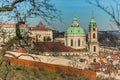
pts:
pixel 93 44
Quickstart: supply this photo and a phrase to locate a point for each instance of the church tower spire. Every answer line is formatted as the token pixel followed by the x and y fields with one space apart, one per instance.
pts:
pixel 93 44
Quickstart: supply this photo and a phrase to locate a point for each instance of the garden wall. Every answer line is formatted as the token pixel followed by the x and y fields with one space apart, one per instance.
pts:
pixel 53 67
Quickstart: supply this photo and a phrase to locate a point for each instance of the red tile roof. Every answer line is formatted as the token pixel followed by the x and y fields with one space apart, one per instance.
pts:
pixel 114 57
pixel 114 71
pixel 11 25
pixel 21 50
pixel 53 47
pixel 39 29
pixel 102 55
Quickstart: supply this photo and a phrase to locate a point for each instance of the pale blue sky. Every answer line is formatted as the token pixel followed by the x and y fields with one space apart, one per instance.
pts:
pixel 83 11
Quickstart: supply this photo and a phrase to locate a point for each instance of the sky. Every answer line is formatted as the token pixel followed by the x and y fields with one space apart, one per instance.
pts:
pixel 83 11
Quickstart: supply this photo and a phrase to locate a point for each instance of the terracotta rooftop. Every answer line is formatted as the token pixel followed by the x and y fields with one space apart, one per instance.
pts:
pixel 114 57
pixel 53 47
pixel 21 50
pixel 11 25
pixel 39 29
pixel 102 55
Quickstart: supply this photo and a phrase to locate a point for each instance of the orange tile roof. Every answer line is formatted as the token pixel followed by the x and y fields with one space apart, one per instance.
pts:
pixel 102 55
pixel 21 50
pixel 114 57
pixel 53 47
pixel 39 29
pixel 11 25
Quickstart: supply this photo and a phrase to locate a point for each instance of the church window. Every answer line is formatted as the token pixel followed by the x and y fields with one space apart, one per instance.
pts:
pixel 71 42
pixel 94 60
pixel 78 42
pixel 93 35
pixel 93 29
pixel 94 48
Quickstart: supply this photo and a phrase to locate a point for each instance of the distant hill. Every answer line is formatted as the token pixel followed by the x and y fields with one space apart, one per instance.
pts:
pixel 109 38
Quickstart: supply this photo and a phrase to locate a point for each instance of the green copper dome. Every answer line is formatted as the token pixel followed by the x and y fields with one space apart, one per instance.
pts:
pixel 75 28
pixel 75 19
pixel 93 22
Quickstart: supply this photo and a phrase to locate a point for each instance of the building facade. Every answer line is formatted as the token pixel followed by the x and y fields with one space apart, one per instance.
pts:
pixel 93 44
pixel 75 36
pixel 8 31
pixel 41 33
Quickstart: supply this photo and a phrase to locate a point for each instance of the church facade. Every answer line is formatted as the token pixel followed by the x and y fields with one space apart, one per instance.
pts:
pixel 75 37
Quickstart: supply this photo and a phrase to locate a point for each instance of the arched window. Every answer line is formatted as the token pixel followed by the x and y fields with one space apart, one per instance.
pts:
pixel 71 42
pixel 94 60
pixel 94 48
pixel 93 29
pixel 78 42
pixel 93 35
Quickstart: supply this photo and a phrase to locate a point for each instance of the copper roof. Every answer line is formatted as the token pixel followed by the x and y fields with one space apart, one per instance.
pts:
pixel 53 47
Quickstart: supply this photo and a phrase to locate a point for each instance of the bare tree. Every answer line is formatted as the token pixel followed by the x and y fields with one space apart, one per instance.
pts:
pixel 19 11
pixel 113 10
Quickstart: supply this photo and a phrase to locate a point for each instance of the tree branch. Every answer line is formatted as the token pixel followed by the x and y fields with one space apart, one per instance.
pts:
pixel 110 10
pixel 11 7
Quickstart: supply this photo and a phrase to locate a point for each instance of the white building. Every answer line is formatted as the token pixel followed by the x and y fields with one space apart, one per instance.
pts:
pixel 41 33
pixel 8 31
pixel 75 36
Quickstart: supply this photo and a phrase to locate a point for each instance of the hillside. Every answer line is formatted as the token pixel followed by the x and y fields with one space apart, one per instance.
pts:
pixel 23 73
